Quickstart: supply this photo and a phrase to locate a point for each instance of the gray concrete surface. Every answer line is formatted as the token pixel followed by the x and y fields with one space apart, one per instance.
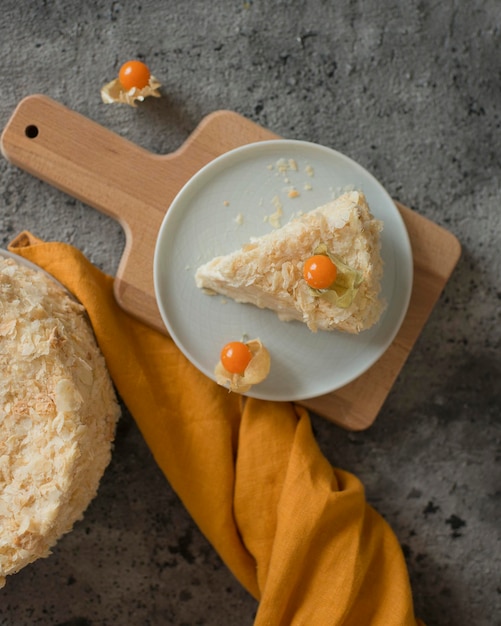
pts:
pixel 411 90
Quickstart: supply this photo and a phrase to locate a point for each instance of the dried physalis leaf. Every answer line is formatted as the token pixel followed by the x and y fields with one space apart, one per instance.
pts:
pixel 134 82
pixel 242 365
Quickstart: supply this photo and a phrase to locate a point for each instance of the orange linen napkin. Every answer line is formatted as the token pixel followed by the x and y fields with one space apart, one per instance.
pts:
pixel 296 533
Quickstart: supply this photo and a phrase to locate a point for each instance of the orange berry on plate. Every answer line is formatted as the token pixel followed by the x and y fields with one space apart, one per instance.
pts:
pixel 235 357
pixel 319 271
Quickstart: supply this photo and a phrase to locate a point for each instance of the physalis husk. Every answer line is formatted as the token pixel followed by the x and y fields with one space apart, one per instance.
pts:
pixel 146 85
pixel 344 289
pixel 255 372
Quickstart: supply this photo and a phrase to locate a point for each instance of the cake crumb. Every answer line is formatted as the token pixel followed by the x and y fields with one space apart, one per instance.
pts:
pixel 309 170
pixel 274 218
pixel 239 219
pixel 293 193
pixel 286 165
pixel 276 203
pixel 282 165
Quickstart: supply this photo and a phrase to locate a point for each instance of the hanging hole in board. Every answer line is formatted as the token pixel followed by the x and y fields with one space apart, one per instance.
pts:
pixel 31 131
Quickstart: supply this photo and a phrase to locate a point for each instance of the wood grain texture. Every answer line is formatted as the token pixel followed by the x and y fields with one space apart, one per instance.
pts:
pixel 108 172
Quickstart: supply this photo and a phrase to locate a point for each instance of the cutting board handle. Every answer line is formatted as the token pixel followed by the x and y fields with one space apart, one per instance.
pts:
pixel 119 178
pixel 108 172
pixel 100 168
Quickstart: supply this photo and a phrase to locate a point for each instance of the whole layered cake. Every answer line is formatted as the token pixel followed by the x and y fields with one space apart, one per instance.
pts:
pixel 58 413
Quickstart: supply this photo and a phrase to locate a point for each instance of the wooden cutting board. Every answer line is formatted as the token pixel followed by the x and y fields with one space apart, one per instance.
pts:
pixel 136 187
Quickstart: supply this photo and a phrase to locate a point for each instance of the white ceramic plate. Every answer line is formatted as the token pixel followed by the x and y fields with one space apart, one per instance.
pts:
pixel 230 200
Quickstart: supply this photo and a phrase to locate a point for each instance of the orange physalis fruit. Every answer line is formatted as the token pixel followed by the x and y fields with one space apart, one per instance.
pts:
pixel 319 271
pixel 235 357
pixel 242 365
pixel 134 74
